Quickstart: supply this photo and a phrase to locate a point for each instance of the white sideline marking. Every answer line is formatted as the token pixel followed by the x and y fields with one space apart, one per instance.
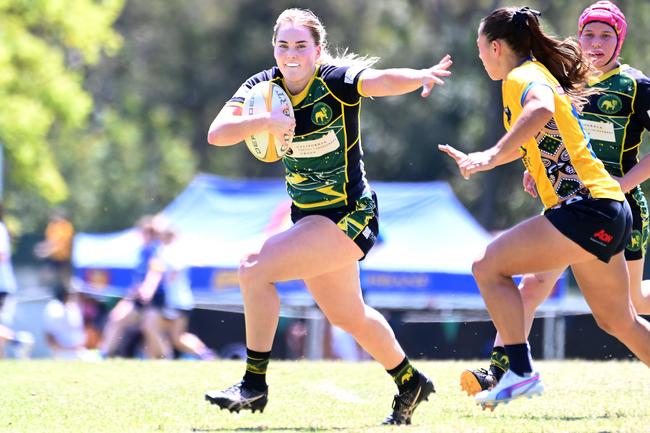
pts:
pixel 338 393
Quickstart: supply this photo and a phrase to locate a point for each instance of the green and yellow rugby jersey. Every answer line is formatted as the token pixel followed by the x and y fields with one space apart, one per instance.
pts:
pixel 323 168
pixel 559 157
pixel 615 120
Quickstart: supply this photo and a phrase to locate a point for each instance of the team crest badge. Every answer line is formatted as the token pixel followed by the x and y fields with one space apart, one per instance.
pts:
pixel 635 241
pixel 610 104
pixel 321 114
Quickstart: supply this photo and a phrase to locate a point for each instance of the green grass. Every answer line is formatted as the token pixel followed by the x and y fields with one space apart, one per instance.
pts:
pixel 160 396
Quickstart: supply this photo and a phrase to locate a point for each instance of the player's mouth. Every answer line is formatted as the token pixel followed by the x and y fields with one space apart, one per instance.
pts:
pixel 292 65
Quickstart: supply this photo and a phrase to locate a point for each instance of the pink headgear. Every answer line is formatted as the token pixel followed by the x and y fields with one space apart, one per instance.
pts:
pixel 605 12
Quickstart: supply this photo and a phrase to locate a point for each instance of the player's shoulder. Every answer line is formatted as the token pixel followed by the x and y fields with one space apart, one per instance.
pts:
pixel 271 74
pixel 345 73
pixel 635 74
pixel 529 71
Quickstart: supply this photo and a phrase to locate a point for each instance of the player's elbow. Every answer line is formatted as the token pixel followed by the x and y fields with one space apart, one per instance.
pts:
pixel 545 112
pixel 216 137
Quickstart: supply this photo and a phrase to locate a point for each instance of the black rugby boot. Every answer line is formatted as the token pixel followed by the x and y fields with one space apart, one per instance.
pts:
pixel 405 403
pixel 239 397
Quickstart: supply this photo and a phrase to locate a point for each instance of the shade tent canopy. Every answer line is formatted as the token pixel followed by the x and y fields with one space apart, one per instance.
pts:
pixel 423 259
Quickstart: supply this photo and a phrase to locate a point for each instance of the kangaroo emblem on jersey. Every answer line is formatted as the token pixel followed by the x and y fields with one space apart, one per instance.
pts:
pixel 610 104
pixel 321 114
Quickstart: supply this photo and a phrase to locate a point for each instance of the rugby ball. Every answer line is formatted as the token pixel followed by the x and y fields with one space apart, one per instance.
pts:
pixel 265 97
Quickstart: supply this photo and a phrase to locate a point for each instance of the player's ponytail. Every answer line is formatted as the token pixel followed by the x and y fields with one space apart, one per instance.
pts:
pixel 305 17
pixel 520 29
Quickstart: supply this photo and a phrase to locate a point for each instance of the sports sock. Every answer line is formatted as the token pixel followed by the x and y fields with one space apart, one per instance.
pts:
pixel 499 362
pixel 404 375
pixel 256 365
pixel 519 357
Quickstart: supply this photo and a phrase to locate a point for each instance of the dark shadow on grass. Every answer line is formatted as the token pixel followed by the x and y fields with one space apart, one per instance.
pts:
pixel 547 417
pixel 560 417
pixel 269 429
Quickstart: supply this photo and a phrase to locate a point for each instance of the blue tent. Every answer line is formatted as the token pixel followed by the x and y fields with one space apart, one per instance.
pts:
pixel 427 243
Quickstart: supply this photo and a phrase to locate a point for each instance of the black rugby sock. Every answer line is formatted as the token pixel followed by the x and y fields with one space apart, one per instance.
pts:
pixel 256 365
pixel 404 375
pixel 499 362
pixel 519 356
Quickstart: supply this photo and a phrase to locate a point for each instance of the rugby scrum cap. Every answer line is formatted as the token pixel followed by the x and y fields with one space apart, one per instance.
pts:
pixel 608 13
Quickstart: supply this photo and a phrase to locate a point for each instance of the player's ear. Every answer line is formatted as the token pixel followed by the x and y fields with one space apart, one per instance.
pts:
pixel 496 47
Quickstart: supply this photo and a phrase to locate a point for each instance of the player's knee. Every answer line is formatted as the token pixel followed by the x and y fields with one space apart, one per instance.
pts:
pixel 483 270
pixel 249 271
pixel 350 323
pixel 534 290
pixel 615 324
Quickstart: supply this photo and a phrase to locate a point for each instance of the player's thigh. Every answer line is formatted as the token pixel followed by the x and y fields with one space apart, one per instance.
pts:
pixel 635 271
pixel 605 286
pixel 532 246
pixel 312 247
pixel 338 293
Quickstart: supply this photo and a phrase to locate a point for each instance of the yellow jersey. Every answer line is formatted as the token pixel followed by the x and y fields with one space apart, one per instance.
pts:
pixel 559 157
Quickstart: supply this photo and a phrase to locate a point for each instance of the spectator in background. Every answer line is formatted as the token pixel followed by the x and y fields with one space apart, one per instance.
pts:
pixel 166 290
pixel 126 313
pixel 7 278
pixel 8 287
pixel 56 249
pixel 64 325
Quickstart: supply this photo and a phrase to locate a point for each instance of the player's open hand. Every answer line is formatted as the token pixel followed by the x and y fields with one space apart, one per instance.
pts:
pixel 529 184
pixel 432 75
pixel 468 163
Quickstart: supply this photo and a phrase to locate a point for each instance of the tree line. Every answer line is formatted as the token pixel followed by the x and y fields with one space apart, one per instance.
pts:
pixel 106 104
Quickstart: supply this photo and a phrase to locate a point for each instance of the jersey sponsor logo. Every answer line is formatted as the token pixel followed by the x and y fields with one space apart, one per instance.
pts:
pixel 314 148
pixel 321 114
pixel 508 114
pixel 610 103
pixel 603 131
pixel 602 236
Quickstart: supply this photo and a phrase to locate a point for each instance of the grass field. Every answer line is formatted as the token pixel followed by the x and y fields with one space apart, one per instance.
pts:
pixel 162 396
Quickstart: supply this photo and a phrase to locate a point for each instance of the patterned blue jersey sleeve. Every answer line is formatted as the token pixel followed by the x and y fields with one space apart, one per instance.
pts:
pixel 343 81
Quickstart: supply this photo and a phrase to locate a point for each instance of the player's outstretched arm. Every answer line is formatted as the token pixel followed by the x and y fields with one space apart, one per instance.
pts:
pixel 398 81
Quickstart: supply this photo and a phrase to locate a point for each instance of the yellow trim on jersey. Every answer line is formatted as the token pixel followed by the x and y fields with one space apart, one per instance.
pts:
pixel 336 97
pixel 320 203
pixel 297 99
pixel 588 171
pixel 629 119
pixel 606 75
pixel 359 89
pixel 345 150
